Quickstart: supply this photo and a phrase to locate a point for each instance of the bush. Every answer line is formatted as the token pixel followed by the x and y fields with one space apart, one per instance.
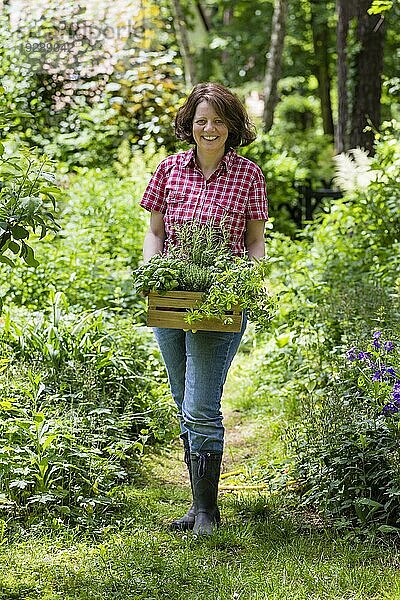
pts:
pixel 288 162
pixel 80 396
pixel 335 285
pixel 77 92
pixel 92 255
pixel 347 455
pixel 27 202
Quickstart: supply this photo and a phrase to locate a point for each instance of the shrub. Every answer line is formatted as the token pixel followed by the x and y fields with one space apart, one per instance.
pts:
pixel 80 396
pixel 92 255
pixel 288 163
pixel 27 202
pixel 335 285
pixel 348 455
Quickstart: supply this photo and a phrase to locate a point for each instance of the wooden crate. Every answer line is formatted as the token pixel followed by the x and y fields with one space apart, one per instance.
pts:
pixel 168 310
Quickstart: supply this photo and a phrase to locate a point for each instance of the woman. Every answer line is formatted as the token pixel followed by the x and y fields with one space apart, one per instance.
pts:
pixel 208 183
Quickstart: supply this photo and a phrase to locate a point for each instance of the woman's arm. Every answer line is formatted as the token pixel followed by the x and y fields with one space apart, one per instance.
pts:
pixel 254 240
pixel 154 238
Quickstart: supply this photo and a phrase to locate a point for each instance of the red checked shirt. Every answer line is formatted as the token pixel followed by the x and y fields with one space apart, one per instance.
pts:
pixel 235 193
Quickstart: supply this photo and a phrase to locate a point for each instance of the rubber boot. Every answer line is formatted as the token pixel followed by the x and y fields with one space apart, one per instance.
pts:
pixel 206 469
pixel 187 521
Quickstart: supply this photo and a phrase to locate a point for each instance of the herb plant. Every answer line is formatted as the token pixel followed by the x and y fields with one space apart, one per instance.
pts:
pixel 202 262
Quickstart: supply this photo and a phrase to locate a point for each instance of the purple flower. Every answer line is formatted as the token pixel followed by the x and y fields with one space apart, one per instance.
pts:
pixel 396 391
pixel 383 374
pixel 376 337
pixel 363 355
pixel 388 346
pixel 351 354
pixel 390 408
pixel 390 371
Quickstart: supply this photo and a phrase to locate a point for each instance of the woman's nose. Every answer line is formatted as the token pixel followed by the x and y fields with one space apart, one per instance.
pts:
pixel 209 126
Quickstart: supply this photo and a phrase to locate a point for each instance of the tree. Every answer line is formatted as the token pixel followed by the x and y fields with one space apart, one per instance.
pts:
pixel 320 32
pixel 184 44
pixel 366 107
pixel 274 64
pixel 360 65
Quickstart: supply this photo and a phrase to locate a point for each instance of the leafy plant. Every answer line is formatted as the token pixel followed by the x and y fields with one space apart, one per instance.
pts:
pixel 91 256
pixel 28 190
pixel 202 261
pixel 78 404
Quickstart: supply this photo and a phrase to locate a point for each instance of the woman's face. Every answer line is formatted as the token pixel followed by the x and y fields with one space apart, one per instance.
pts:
pixel 209 130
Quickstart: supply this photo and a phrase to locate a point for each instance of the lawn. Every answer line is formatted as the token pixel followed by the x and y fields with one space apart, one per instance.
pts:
pixel 265 549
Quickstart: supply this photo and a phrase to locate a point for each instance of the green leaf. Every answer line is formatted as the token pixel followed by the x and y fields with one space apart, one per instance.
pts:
pixel 380 6
pixel 19 232
pixel 283 339
pixel 13 246
pixel 6 260
pixel 28 255
pixel 388 529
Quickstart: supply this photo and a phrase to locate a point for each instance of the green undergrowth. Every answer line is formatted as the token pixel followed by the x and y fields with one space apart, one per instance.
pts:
pixel 261 552
pixel 265 549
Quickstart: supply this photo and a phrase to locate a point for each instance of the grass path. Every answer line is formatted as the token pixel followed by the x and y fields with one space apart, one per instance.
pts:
pixel 262 552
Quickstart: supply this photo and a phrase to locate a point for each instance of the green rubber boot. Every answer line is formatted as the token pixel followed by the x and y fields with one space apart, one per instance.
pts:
pixel 187 521
pixel 206 470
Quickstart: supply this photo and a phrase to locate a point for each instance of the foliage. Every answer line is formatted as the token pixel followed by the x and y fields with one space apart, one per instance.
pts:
pixel 99 241
pixel 78 404
pixel 348 455
pixel 28 192
pixel 380 6
pixel 89 84
pixel 379 368
pixel 242 283
pixel 288 161
pixel 354 170
pixel 335 285
pixel 202 261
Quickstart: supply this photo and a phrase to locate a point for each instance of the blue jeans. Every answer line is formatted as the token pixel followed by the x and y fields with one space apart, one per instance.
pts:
pixel 197 365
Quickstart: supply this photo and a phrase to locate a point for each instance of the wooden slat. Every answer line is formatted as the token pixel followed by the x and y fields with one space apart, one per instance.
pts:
pixel 172 302
pixel 175 320
pixel 161 312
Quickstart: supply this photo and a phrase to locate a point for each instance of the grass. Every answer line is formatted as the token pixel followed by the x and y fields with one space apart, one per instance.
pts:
pixel 264 551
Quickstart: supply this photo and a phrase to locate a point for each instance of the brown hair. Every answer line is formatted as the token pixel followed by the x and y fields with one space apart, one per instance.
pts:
pixel 226 104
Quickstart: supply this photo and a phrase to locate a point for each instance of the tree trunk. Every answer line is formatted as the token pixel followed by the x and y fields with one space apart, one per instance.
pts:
pixel 320 32
pixel 227 20
pixel 366 108
pixel 184 46
pixel 274 62
pixel 342 135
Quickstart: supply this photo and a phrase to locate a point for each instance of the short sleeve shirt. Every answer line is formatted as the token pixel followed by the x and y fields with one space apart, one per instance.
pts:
pixel 234 194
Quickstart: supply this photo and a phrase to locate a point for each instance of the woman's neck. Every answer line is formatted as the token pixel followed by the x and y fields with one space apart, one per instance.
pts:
pixel 208 162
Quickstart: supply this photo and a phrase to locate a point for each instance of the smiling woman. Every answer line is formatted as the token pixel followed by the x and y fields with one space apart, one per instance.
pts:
pixel 208 184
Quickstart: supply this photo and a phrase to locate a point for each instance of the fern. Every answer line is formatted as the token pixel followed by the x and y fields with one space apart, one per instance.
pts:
pixel 353 170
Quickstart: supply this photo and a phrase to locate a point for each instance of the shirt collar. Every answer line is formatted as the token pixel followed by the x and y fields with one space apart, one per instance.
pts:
pixel 227 160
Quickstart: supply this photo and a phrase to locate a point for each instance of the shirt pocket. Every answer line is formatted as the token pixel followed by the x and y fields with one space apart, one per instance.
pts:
pixel 229 218
pixel 179 208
